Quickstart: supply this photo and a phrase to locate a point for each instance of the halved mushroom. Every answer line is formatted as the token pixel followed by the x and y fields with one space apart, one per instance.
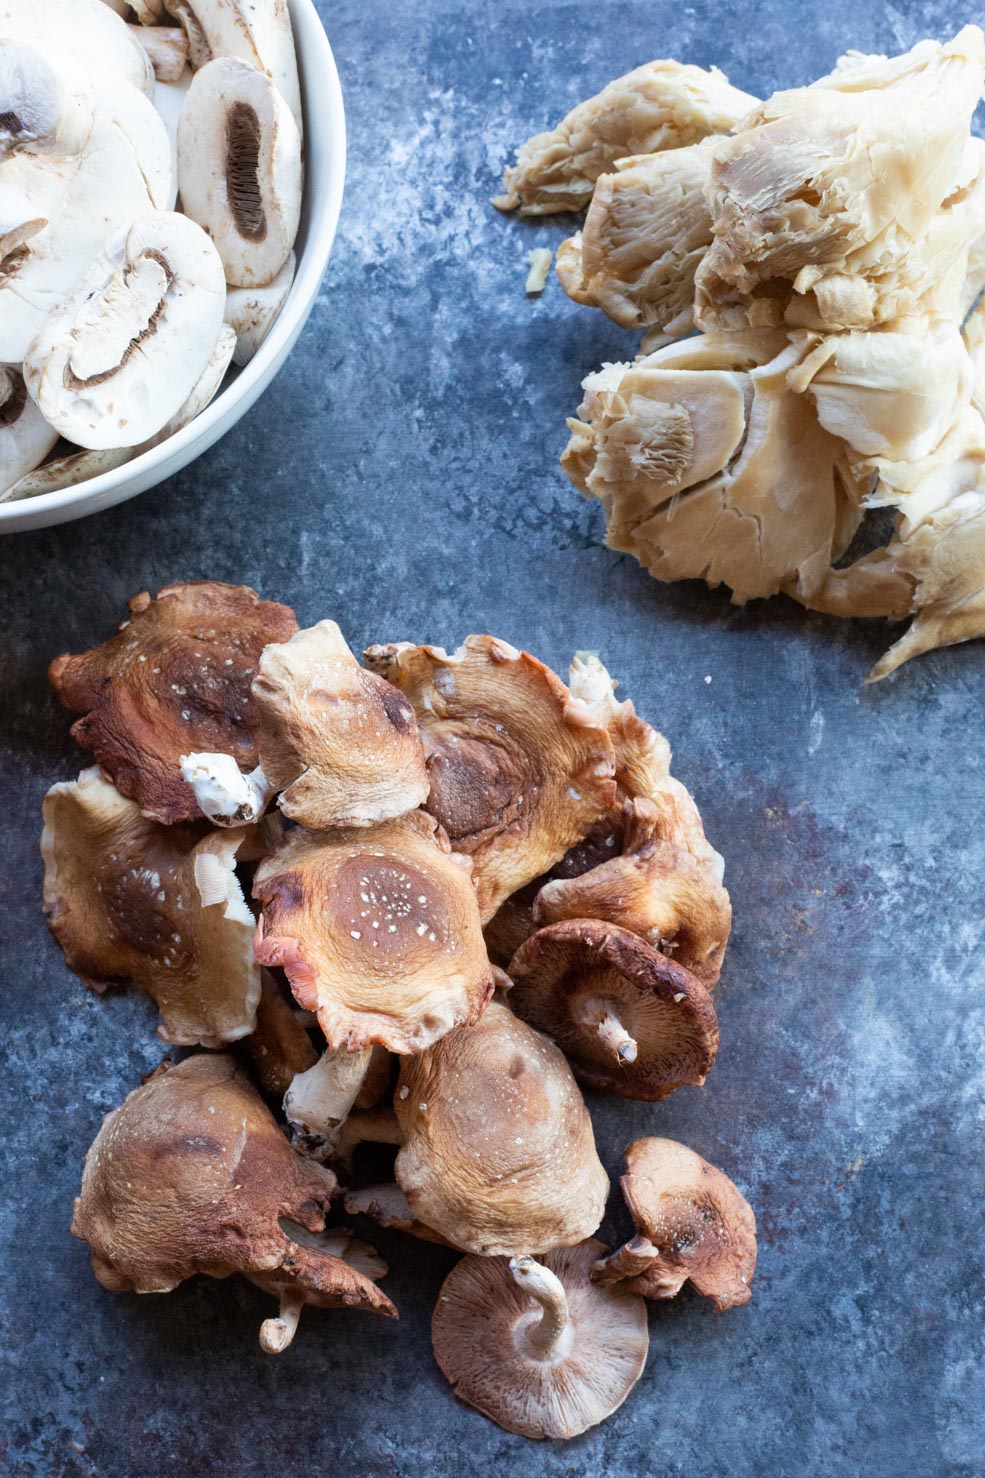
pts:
pixel 252 311
pixel 389 1207
pixel 119 358
pixel 341 743
pixel 378 932
pixel 629 1020
pixel 662 105
pixel 536 1346
pixel 25 436
pixel 693 1223
pixel 278 1049
pixel 498 1153
pixel 239 169
pixel 519 771
pixel 128 899
pixel 176 678
pixel 260 34
pixel 95 36
pixel 166 48
pixel 191 1174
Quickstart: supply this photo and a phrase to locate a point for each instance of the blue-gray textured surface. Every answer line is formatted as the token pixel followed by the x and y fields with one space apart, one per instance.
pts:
pixel 401 475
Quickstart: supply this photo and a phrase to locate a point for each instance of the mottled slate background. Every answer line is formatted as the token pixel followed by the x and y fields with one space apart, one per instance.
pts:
pixel 401 475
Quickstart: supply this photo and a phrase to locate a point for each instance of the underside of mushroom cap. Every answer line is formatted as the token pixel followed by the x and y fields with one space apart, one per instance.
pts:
pixel 378 932
pixel 127 898
pixel 176 678
pixel 533 1347
pixel 340 742
pixel 518 771
pixel 629 1020
pixel 499 1154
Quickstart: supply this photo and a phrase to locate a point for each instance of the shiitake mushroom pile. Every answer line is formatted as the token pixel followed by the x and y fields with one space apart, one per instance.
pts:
pixel 474 888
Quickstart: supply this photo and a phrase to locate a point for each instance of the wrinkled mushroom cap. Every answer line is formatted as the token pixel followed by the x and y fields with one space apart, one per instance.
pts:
pixel 340 742
pixel 378 932
pixel 175 679
pixel 694 1224
pixel 498 1154
pixel 629 1020
pixel 481 1331
pixel 127 898
pixel 518 771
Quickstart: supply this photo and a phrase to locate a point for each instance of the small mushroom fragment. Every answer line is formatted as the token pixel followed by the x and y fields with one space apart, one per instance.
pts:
pixel 99 40
pixel 535 1345
pixel 321 1098
pixel 378 932
pixel 222 792
pixel 389 1207
pixel 629 1020
pixel 166 48
pixel 278 1049
pixel 25 436
pixel 662 105
pixel 239 169
pixel 341 743
pixel 158 289
pixel 252 311
pixel 176 678
pixel 255 31
pixel 498 1153
pixel 693 1223
pixel 128 899
pixel 519 771
pixel 191 1174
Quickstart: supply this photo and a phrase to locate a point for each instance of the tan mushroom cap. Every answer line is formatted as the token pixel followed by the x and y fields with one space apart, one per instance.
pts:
pixel 278 1048
pixel 519 771
pixel 175 679
pixel 533 1346
pixel 498 1154
pixel 191 1174
pixel 694 1224
pixel 128 899
pixel 340 742
pixel 378 932
pixel 629 1020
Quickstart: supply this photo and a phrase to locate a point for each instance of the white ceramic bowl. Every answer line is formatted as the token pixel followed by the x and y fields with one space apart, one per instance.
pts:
pixel 324 119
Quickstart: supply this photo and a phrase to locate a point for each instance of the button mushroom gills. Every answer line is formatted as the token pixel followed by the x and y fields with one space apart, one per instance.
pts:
pixel 242 164
pixel 118 322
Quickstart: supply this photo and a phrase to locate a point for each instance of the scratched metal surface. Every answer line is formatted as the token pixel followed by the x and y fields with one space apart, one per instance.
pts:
pixel 401 476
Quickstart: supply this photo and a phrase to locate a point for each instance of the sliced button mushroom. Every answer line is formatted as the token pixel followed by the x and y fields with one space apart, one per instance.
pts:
pixel 255 31
pixel 128 899
pixel 278 1049
pixel 43 109
pixel 251 312
pixel 378 932
pixel 175 678
pixel 629 1020
pixel 116 362
pixel 536 1346
pixel 191 1174
pixel 341 743
pixel 95 36
pixel 239 169
pixel 166 48
pixel 693 1223
pixel 498 1152
pixel 25 436
pixel 519 772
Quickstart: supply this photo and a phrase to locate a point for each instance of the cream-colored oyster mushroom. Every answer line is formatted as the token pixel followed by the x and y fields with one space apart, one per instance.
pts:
pixel 252 311
pixel 99 39
pixel 339 742
pixel 498 1153
pixel 254 31
pixel 191 1174
pixel 693 1223
pixel 662 105
pixel 25 436
pixel 158 288
pixel 239 169
pixel 533 1345
pixel 320 1099
pixel 127 898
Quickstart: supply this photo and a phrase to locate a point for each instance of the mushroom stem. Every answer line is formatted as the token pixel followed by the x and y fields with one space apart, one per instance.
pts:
pixel 630 1261
pixel 549 1337
pixel 223 793
pixel 612 1034
pixel 277 1334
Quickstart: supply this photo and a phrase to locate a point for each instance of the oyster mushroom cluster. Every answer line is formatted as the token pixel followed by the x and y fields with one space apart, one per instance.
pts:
pixel 423 902
pixel 802 269
pixel 150 195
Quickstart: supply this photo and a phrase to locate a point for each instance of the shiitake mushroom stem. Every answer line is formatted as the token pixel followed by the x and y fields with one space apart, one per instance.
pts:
pixel 550 1336
pixel 277 1334
pixel 603 1017
pixel 630 1261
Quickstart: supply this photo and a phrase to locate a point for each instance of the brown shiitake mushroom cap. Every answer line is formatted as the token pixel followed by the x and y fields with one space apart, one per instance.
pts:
pixel 629 1020
pixel 694 1224
pixel 340 742
pixel 278 1048
pixel 175 679
pixel 498 1153
pixel 378 932
pixel 191 1174
pixel 519 771
pixel 128 899
pixel 531 1344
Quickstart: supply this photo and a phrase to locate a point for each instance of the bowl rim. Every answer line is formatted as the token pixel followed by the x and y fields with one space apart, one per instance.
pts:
pixel 97 493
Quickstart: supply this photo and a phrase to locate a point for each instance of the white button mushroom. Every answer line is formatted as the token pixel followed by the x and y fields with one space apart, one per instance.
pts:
pixel 87 28
pixel 25 436
pixel 252 311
